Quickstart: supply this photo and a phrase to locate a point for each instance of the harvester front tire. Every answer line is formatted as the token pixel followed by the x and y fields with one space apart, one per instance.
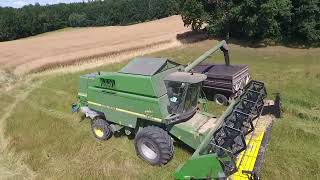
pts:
pixel 101 129
pixel 154 145
pixel 221 99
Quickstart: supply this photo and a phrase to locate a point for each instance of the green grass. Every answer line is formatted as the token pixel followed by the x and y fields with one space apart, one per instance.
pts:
pixel 55 143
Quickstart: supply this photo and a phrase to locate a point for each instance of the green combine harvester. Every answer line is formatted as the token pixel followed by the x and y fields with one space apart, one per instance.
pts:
pixel 157 101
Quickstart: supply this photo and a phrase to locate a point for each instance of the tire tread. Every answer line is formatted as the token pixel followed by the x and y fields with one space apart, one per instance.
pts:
pixel 162 138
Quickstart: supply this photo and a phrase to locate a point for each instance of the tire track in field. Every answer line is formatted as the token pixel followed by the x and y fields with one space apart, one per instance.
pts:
pixel 11 166
pixel 56 91
pixel 10 169
pixel 51 112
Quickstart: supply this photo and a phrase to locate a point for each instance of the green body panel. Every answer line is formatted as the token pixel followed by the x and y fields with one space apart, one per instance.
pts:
pixel 124 98
pixel 129 83
pixel 83 85
pixel 201 167
pixel 115 104
pixel 188 132
pixel 123 119
pixel 151 86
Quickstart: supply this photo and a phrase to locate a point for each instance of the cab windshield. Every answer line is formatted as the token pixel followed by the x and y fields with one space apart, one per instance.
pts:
pixel 183 97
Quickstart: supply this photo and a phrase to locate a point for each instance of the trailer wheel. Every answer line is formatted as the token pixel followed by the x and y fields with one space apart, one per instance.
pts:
pixel 221 99
pixel 154 145
pixel 101 129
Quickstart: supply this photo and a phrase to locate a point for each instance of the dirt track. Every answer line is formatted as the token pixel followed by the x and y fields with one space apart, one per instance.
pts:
pixel 66 47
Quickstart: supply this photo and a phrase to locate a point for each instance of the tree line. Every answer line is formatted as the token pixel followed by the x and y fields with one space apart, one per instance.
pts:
pixel 295 21
pixel 254 20
pixel 35 19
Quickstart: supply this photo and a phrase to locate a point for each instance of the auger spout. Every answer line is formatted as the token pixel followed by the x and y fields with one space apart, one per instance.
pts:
pixel 223 46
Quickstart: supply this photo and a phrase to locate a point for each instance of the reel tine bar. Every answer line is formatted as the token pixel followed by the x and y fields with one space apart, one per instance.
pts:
pixel 230 137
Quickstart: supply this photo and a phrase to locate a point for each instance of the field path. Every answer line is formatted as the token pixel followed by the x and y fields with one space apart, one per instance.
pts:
pixel 10 166
pixel 78 44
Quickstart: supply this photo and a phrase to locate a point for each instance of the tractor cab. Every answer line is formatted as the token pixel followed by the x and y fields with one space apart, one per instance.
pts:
pixel 183 89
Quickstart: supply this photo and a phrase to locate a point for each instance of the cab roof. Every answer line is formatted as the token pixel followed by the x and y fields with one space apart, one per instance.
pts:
pixel 148 66
pixel 186 77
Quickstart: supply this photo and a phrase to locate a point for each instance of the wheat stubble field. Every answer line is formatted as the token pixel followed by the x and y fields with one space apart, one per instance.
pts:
pixel 74 45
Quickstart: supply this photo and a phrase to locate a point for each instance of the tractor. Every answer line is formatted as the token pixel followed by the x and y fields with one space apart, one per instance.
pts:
pixel 157 101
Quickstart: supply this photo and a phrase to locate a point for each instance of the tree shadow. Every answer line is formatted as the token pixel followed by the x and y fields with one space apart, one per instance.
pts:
pixel 246 43
pixel 269 43
pixel 190 37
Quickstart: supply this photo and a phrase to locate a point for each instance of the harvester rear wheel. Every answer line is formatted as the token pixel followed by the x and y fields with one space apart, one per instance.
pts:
pixel 101 129
pixel 221 99
pixel 154 145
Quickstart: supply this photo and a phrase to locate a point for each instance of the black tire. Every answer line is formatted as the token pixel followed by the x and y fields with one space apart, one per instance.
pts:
pixel 154 145
pixel 101 129
pixel 221 99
